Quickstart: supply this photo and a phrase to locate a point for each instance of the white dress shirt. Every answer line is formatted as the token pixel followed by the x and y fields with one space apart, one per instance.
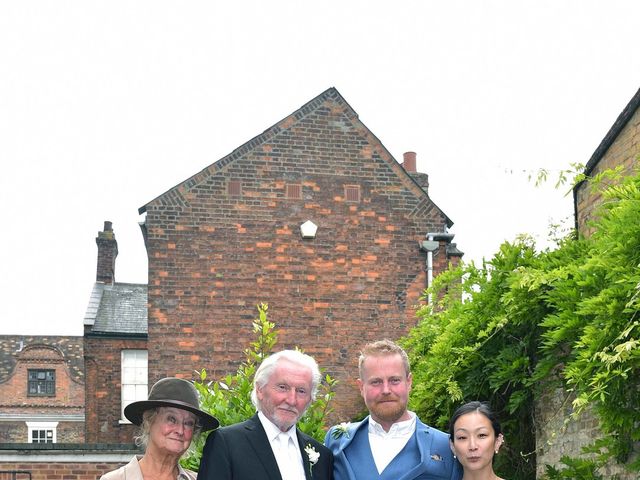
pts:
pixel 285 448
pixel 386 445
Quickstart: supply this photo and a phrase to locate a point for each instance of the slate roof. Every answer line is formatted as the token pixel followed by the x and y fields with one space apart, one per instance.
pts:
pixel 71 348
pixel 175 193
pixel 117 309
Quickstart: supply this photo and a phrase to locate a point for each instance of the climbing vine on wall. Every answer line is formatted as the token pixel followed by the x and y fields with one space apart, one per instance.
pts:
pixel 526 319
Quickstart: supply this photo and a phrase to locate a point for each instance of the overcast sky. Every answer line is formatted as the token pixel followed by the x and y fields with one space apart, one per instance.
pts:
pixel 106 105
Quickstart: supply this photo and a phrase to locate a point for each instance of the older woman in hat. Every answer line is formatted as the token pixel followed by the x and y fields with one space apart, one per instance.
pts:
pixel 168 421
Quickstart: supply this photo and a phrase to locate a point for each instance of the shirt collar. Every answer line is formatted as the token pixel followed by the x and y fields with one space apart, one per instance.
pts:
pixel 402 428
pixel 273 431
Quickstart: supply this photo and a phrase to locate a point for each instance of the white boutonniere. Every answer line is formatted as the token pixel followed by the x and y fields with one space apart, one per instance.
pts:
pixel 313 455
pixel 340 430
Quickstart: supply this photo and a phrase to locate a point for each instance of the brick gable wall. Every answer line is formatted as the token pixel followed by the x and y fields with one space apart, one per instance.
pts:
pixel 624 151
pixel 213 256
pixel 60 354
pixel 103 389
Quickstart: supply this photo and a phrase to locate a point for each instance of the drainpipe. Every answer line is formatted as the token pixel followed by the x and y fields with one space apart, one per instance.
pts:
pixel 431 245
pixel 430 263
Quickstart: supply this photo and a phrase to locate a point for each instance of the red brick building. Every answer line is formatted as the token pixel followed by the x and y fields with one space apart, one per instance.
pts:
pixel 115 348
pixel 620 147
pixel 41 389
pixel 229 238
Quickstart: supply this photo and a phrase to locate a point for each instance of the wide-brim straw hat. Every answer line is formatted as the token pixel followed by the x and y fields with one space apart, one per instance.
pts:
pixel 171 392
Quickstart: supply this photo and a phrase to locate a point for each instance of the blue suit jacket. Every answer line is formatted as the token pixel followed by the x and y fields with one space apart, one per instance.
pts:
pixel 436 459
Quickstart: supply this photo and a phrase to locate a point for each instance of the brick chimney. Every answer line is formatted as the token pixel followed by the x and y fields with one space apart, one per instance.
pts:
pixel 409 162
pixel 107 253
pixel 409 165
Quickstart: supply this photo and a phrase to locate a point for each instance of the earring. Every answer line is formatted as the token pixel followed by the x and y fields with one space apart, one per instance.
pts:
pixel 496 452
pixel 454 456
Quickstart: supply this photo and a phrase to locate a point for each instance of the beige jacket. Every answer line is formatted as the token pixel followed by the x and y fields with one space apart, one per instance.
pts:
pixel 131 471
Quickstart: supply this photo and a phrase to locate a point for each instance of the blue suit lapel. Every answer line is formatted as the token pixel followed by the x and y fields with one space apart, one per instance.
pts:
pixel 352 430
pixel 342 442
pixel 424 447
pixel 431 458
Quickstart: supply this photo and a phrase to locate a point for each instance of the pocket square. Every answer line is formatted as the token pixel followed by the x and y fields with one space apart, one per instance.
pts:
pixel 436 457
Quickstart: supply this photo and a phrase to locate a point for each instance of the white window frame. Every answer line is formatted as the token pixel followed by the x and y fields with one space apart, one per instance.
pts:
pixel 134 378
pixel 31 426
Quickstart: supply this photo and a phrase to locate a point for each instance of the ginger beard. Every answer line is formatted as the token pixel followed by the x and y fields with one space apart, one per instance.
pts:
pixel 385 388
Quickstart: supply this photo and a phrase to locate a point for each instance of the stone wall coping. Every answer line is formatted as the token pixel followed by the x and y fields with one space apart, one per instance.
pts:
pixel 68 452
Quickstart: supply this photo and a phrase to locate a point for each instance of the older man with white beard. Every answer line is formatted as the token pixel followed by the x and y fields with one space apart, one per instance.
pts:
pixel 268 445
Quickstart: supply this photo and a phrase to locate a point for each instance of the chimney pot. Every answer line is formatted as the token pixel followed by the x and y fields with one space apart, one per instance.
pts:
pixel 409 162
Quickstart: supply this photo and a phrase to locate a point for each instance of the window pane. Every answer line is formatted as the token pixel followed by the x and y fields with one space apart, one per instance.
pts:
pixel 134 376
pixel 128 375
pixel 128 393
pixel 141 392
pixel 41 436
pixel 141 358
pixel 141 376
pixel 41 382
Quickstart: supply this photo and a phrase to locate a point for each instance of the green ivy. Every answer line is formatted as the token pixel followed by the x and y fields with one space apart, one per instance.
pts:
pixel 526 320
pixel 576 469
pixel 229 399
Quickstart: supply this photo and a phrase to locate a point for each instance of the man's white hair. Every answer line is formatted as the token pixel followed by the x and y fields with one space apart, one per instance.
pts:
pixel 268 366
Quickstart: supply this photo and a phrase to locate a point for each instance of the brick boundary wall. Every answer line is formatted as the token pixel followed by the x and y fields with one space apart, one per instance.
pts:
pixel 558 435
pixel 64 461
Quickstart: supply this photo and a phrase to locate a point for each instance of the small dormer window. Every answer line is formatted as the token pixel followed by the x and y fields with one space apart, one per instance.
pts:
pixel 41 383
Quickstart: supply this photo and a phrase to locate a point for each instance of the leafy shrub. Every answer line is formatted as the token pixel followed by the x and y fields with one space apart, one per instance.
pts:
pixel 575 469
pixel 525 320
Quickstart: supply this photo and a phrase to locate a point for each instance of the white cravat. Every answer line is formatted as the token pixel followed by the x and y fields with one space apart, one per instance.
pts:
pixel 289 458
pixel 285 449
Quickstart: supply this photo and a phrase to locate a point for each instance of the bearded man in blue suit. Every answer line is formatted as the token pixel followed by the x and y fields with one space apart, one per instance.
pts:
pixel 391 443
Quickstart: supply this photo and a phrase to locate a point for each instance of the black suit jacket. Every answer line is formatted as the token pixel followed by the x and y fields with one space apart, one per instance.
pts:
pixel 242 452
